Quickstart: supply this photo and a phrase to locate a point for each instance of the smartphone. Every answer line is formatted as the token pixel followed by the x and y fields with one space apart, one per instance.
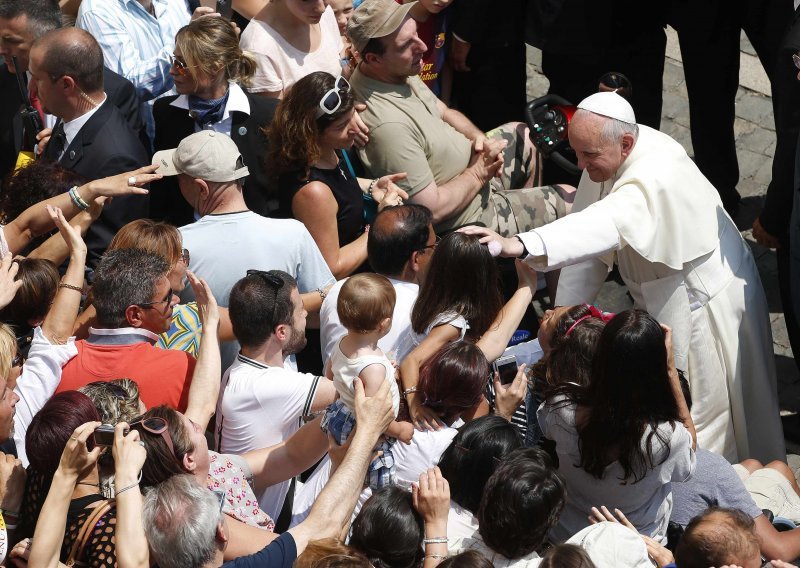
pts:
pixel 104 435
pixel 506 366
pixel 225 8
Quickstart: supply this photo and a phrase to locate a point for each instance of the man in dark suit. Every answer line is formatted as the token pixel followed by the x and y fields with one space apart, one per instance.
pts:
pixel 174 123
pixel 91 138
pixel 21 23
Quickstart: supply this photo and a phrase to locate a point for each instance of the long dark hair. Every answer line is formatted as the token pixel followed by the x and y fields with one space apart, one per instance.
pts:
pixel 453 380
pixel 295 129
pixel 628 397
pixel 462 278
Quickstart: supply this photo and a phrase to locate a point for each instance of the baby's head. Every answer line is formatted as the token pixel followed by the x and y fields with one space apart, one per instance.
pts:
pixel 366 303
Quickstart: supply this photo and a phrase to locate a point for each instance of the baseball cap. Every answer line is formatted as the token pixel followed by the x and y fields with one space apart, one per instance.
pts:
pixel 375 18
pixel 206 155
pixel 609 104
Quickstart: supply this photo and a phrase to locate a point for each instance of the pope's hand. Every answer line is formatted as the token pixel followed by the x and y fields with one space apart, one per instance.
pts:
pixel 498 246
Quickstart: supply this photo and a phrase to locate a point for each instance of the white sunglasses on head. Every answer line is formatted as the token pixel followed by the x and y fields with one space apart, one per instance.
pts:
pixel 332 100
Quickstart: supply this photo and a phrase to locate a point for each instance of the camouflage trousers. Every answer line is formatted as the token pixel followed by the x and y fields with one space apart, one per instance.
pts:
pixel 509 207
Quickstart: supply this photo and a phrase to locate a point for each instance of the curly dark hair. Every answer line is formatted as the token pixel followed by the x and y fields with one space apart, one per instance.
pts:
pixel 28 186
pixel 295 129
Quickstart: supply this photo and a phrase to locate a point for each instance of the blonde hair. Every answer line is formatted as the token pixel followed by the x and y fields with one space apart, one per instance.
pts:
pixel 365 300
pixel 8 349
pixel 161 239
pixel 210 44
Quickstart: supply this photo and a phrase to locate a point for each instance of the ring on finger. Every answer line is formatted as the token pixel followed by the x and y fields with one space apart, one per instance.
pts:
pixel 132 180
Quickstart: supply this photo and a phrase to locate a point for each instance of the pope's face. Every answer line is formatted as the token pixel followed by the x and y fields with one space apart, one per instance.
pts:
pixel 600 158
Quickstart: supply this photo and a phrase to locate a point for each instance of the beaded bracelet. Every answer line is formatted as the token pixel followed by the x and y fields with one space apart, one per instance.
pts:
pixel 77 199
pixel 371 185
pixel 408 391
pixel 71 287
pixel 435 540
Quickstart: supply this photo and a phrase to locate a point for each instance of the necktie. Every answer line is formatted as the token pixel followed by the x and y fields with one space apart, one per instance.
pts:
pixel 34 99
pixel 58 142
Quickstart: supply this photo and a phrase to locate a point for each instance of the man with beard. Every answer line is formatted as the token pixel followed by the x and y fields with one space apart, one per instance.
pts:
pixel 261 402
pixel 228 239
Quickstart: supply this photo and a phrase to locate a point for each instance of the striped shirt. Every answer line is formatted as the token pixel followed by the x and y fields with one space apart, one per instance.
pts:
pixel 135 44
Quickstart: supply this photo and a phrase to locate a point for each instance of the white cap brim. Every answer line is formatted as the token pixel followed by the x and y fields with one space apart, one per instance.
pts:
pixel 164 160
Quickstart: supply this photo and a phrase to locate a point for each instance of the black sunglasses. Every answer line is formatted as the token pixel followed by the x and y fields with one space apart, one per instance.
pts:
pixel 167 299
pixel 272 281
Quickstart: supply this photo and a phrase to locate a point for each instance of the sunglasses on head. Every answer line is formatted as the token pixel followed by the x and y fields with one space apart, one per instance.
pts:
pixel 332 100
pixel 155 425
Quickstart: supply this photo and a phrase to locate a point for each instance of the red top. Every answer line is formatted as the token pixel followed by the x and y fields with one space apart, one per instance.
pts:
pixel 163 375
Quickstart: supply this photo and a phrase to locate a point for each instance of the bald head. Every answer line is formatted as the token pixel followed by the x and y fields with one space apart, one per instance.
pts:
pixel 719 537
pixel 395 235
pixel 74 53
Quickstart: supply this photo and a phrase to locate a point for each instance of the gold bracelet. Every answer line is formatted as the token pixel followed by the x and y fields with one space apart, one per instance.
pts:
pixel 71 287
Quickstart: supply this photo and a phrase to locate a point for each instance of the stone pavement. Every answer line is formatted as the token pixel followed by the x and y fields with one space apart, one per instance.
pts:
pixel 755 143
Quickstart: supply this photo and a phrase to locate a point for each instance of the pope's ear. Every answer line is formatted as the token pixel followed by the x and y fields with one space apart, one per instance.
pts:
pixel 627 143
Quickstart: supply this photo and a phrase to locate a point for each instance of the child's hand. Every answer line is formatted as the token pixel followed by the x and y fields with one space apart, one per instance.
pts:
pixel 405 431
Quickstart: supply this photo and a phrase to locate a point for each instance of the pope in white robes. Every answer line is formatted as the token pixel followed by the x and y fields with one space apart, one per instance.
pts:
pixel 643 204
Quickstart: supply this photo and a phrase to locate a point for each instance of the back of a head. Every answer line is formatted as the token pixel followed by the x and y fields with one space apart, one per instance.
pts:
pixel 522 502
pixel 719 537
pixel 454 379
pixel 32 301
pixel 36 182
pixel 462 278
pixel 473 455
pixel 331 553
pixel 365 301
pixel 258 303
pixel 42 15
pixel 389 530
pixel 395 234
pixel 566 556
pixel 467 559
pixel 116 401
pixel 125 277
pixel 73 52
pixel 572 347
pixel 155 237
pixel 180 519
pixel 52 427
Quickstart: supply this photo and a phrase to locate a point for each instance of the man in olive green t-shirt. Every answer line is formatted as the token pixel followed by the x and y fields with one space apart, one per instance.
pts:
pixel 463 175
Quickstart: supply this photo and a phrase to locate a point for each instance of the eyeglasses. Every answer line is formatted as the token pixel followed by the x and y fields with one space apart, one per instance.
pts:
pixel 796 59
pixel 167 300
pixel 185 256
pixel 220 495
pixel 156 425
pixel 18 360
pixel 179 64
pixel 332 100
pixel 434 245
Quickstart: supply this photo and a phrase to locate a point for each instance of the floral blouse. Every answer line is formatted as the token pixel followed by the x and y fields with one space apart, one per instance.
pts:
pixel 231 474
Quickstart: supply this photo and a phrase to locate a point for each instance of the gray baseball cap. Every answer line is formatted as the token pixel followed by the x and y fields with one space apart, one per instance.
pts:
pixel 375 18
pixel 206 155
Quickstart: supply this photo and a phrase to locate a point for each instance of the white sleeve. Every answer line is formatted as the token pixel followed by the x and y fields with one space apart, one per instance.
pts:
pixel 40 376
pixel 586 234
pixel 581 282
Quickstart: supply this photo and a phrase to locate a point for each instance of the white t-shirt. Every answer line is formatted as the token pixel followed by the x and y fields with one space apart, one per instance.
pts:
pixel 331 329
pixel 280 64
pixel 225 246
pixel 345 370
pixel 412 339
pixel 647 503
pixel 261 406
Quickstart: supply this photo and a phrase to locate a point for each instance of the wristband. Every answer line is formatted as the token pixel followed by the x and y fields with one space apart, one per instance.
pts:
pixel 77 199
pixel 408 391
pixel 71 287
pixel 371 185
pixel 435 540
pixel 525 252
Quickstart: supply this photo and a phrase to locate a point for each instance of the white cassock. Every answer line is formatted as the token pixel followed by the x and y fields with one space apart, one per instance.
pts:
pixel 683 261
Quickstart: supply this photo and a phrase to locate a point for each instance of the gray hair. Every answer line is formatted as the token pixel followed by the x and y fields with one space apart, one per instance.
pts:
pixel 613 129
pixel 180 520
pixel 123 278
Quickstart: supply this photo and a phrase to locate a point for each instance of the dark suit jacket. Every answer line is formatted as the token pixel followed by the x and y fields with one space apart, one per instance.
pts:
pixel 173 124
pixel 119 90
pixel 106 145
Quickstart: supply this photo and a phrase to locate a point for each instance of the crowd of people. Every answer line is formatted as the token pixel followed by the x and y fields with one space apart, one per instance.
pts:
pixel 263 281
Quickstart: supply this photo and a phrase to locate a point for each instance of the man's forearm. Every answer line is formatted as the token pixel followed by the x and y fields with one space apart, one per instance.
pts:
pixel 455 195
pixel 461 123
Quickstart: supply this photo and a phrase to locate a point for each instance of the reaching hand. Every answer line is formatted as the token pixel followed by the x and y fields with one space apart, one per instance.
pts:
pixel 12 482
pixel 70 234
pixel 206 302
pixel 509 397
pixel 431 496
pixel 422 416
pixel 76 457
pixel 374 412
pixel 363 131
pixel 126 183
pixel 20 553
pixel 507 247
pixel 526 276
pixel 8 286
pixel 129 455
